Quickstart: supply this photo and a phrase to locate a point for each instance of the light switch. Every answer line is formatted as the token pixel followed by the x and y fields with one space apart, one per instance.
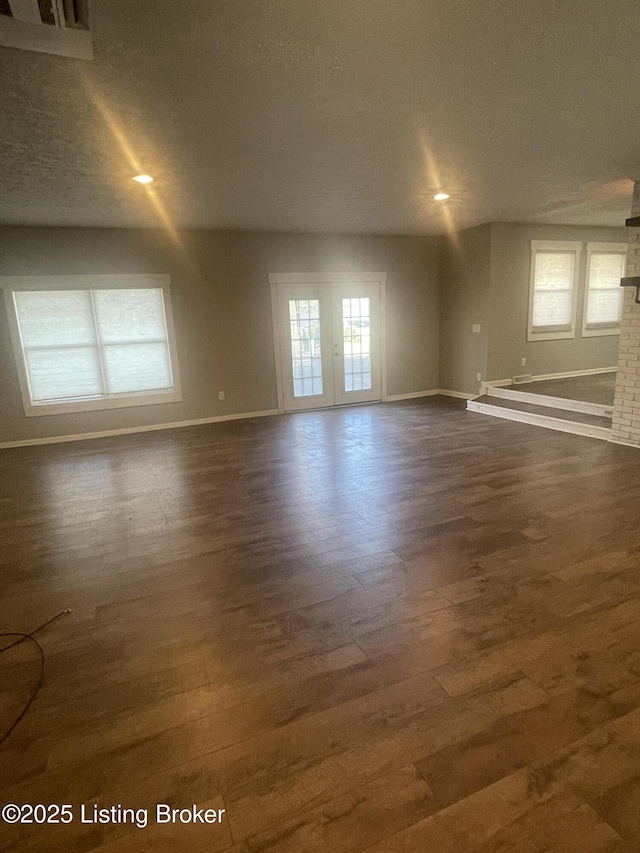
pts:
pixel 476 328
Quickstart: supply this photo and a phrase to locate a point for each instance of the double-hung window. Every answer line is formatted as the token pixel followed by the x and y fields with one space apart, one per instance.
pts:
pixel 555 267
pixel 92 342
pixel 603 294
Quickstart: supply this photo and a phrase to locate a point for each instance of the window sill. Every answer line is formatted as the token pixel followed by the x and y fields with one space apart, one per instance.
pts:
pixel 596 332
pixel 550 335
pixel 60 41
pixel 73 407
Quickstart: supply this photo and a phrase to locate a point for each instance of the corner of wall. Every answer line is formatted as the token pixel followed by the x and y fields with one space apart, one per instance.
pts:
pixel 626 408
pixel 464 288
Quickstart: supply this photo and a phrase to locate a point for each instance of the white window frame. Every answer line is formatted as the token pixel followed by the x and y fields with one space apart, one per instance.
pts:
pixel 599 329
pixel 548 333
pixel 60 40
pixel 13 284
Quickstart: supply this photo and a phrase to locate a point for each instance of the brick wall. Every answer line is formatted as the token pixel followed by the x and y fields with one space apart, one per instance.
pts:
pixel 626 409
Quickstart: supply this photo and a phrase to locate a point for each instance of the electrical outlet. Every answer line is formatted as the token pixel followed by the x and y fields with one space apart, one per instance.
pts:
pixel 220 395
pixel 523 362
pixel 479 377
pixel 476 328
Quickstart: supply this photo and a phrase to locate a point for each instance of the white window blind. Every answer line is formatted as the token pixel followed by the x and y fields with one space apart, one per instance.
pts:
pixel 604 294
pixel 93 344
pixel 553 290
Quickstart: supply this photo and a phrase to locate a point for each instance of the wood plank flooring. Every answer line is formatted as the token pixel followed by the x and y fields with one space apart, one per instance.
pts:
pixel 594 388
pixel 400 627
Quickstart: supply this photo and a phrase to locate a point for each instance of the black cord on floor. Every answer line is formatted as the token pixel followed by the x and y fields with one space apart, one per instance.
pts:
pixel 21 638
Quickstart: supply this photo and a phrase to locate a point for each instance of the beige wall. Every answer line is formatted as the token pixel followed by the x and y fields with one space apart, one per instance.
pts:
pixel 509 302
pixel 464 302
pixel 221 303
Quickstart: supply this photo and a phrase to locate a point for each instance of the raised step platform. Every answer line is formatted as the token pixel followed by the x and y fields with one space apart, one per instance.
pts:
pixel 566 404
pixel 562 418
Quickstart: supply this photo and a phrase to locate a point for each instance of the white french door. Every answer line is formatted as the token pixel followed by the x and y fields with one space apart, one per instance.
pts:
pixel 329 336
pixel 356 347
pixel 306 347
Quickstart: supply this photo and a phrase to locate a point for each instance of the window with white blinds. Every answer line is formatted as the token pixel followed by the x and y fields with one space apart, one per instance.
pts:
pixel 603 294
pixel 96 346
pixel 552 304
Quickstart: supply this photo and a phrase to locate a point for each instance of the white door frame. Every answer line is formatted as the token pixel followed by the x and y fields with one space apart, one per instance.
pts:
pixel 327 278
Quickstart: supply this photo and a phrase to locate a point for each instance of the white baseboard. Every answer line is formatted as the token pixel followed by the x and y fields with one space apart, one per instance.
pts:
pixel 568 405
pixel 412 395
pixel 592 372
pixel 59 439
pixel 624 443
pixel 459 395
pixel 494 383
pixel 432 393
pixel 543 377
pixel 573 427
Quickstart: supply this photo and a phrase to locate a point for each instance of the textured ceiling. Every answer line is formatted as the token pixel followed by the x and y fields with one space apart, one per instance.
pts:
pixel 328 115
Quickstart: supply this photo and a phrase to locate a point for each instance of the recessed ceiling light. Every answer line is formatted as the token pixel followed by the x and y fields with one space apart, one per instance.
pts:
pixel 441 196
pixel 143 179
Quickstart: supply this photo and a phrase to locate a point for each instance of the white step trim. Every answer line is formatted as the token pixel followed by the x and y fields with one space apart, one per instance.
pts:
pixel 564 403
pixel 59 439
pixel 574 427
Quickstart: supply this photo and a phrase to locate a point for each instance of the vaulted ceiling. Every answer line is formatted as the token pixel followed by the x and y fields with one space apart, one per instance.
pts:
pixel 328 115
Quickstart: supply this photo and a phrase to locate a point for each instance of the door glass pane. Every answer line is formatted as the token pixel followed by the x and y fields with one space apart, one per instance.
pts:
pixel 356 340
pixel 306 355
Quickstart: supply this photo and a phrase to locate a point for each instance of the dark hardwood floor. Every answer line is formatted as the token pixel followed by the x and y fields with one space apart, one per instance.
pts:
pixel 402 627
pixel 593 388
